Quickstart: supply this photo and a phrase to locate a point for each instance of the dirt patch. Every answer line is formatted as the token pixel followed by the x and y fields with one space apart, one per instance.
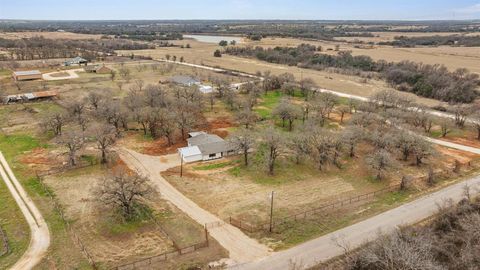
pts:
pixel 472 142
pixel 160 147
pixel 42 160
pixel 452 154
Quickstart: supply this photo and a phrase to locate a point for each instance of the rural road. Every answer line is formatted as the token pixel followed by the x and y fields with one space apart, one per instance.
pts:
pixel 40 235
pixel 324 248
pixel 241 248
pixel 321 90
pixel 72 74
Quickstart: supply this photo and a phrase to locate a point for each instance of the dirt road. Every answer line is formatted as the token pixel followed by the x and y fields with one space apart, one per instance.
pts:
pixel 241 248
pixel 40 235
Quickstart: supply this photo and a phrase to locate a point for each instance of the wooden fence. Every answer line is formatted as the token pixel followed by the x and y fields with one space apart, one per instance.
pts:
pixel 245 226
pixel 75 237
pixel 5 246
pixel 151 261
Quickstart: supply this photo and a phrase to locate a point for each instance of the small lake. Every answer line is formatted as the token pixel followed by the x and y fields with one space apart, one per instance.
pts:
pixel 213 39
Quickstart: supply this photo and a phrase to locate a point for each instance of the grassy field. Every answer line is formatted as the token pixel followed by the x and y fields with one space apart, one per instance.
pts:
pixel 202 53
pixel 111 241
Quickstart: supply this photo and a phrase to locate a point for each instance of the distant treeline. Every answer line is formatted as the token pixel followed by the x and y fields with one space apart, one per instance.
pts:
pixel 432 81
pixel 43 48
pixel 451 40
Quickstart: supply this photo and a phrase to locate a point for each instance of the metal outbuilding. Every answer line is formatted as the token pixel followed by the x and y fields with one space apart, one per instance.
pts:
pixel 27 75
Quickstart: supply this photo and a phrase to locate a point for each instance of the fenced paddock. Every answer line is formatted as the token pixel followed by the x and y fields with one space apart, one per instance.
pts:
pixel 155 260
pixel 312 213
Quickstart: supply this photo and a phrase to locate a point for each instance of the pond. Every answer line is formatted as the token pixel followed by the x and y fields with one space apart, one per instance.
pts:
pixel 213 39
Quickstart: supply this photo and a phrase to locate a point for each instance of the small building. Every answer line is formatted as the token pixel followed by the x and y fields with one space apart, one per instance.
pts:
pixel 97 69
pixel 203 147
pixel 26 97
pixel 27 75
pixel 190 154
pixel 76 61
pixel 184 80
pixel 205 89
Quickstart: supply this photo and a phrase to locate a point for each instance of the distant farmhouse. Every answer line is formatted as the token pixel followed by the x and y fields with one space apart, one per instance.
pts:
pixel 184 80
pixel 76 61
pixel 26 97
pixel 27 75
pixel 99 69
pixel 203 147
pixel 190 81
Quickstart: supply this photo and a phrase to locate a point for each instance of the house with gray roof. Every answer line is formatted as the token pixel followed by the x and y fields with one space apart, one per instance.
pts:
pixel 184 80
pixel 76 61
pixel 203 146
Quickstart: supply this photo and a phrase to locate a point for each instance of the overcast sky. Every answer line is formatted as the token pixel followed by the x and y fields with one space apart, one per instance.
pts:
pixel 240 9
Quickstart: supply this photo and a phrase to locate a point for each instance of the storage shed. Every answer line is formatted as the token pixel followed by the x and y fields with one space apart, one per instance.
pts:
pixel 27 75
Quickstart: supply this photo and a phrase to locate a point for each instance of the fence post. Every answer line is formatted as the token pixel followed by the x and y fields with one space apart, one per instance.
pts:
pixel 206 235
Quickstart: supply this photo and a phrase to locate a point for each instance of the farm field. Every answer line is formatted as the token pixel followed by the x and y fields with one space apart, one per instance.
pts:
pixel 51 35
pixel 230 190
pixel 179 155
pixel 202 53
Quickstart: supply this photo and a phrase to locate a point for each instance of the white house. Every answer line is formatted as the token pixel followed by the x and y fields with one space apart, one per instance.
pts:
pixel 203 147
pixel 205 89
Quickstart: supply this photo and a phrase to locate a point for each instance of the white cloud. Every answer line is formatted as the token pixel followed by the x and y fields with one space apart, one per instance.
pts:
pixel 474 9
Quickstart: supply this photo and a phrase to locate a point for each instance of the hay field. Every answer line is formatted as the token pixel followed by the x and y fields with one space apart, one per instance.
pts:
pixel 50 35
pixel 390 36
pixel 202 53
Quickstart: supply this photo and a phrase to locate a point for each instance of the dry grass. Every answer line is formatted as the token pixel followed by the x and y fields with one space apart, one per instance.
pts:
pixel 49 35
pixel 202 53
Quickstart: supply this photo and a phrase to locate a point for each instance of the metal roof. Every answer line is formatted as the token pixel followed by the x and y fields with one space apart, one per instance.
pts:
pixel 185 80
pixel 45 94
pixel 209 144
pixel 204 139
pixel 189 151
pixel 27 72
pixel 196 133
pixel 213 148
pixel 29 96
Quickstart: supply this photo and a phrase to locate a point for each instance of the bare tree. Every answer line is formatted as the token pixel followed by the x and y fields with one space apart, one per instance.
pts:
pixel 55 122
pixel 351 137
pixel 246 117
pixel 476 121
pixel 287 112
pixel 94 99
pixel 342 110
pixel 422 150
pixel 323 105
pixel 322 143
pixel 73 140
pixel 380 161
pixel 139 84
pixel 461 112
pixel 307 85
pixel 300 144
pixel 445 126
pixel 105 137
pixel 124 190
pixel 243 141
pixel 405 142
pixel 274 143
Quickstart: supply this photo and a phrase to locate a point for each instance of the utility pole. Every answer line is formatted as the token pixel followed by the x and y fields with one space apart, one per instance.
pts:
pixel 181 165
pixel 271 211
